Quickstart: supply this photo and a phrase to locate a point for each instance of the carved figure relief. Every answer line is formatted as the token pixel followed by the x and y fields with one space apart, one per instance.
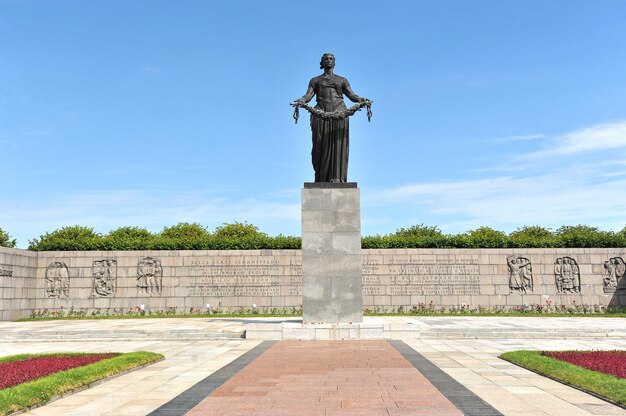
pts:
pixel 567 275
pixel 57 280
pixel 104 278
pixel 520 274
pixel 614 270
pixel 5 272
pixel 149 276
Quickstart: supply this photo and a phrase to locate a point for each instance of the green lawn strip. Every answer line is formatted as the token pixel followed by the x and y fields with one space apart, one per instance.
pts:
pixel 41 391
pixel 602 385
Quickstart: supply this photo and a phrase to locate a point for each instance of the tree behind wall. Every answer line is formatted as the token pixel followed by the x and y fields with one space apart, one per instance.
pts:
pixel 5 239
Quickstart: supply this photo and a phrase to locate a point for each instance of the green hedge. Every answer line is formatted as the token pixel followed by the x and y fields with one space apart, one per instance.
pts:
pixel 183 236
pixel 421 236
pixel 243 236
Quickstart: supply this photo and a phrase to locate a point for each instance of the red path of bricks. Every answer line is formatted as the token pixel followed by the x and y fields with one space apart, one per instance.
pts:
pixel 325 378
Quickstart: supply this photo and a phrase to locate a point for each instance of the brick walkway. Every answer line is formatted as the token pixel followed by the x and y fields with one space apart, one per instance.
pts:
pixel 328 378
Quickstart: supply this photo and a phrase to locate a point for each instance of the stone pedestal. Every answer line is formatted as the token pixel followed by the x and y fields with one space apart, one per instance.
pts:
pixel 331 253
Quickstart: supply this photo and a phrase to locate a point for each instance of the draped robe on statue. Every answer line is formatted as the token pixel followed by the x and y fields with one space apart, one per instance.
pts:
pixel 331 138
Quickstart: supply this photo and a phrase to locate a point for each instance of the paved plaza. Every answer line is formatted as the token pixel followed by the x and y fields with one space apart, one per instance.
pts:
pixel 208 369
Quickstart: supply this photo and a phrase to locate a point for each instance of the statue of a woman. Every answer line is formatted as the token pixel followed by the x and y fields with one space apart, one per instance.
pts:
pixel 330 136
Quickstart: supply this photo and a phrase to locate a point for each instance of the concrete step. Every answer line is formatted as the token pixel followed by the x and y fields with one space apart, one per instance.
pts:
pixel 119 335
pixel 278 331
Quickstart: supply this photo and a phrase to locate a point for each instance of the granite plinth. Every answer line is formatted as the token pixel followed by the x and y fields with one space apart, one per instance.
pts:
pixel 332 289
pixel 329 185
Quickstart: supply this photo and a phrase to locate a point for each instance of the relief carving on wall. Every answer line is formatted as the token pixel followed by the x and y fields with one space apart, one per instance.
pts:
pixel 149 276
pixel 6 273
pixel 57 280
pixel 520 274
pixel 567 275
pixel 104 278
pixel 614 270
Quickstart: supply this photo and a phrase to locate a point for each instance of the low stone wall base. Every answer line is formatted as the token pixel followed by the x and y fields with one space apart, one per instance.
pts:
pixel 442 328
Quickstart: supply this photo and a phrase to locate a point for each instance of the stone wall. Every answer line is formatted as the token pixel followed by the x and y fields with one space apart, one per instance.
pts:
pixel 231 280
pixel 493 277
pixel 17 281
pixel 121 280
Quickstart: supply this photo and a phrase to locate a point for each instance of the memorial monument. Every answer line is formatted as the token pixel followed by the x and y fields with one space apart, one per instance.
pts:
pixel 331 225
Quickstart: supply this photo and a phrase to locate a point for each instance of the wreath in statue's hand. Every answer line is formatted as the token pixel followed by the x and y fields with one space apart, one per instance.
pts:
pixel 331 115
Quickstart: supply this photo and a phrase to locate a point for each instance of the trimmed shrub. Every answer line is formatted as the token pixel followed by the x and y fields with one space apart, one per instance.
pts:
pixel 128 238
pixel 585 236
pixel 74 238
pixel 5 239
pixel 182 236
pixel 485 237
pixel 417 236
pixel 532 236
pixel 238 230
pixel 184 230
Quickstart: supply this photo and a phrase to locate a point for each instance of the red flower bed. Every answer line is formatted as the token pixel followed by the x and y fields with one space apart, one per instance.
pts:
pixel 608 362
pixel 17 372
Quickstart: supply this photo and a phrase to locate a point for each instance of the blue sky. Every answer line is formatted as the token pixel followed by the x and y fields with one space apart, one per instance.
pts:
pixel 150 113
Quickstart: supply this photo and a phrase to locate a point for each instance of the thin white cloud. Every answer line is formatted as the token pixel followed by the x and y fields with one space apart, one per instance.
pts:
pixel 507 168
pixel 472 189
pixel 153 210
pixel 613 174
pixel 600 137
pixel 548 200
pixel 584 188
pixel 150 69
pixel 519 138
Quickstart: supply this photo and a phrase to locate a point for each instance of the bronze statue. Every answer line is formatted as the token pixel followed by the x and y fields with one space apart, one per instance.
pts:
pixel 329 121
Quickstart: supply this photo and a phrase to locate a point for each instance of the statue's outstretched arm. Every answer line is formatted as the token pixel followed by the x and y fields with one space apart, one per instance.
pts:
pixel 347 90
pixel 309 94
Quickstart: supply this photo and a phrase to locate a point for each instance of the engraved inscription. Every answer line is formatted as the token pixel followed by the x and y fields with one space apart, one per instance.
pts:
pixel 220 291
pixel 295 280
pixel 614 271
pixel 466 286
pixel 567 275
pixel 57 280
pixel 371 280
pixel 104 278
pixel 440 269
pixel 373 290
pixel 6 273
pixel 149 277
pixel 295 291
pixel 520 274
pixel 368 269
pixel 295 270
pixel 240 276
pixel 233 261
pixel 233 275
pixel 414 275
pixel 369 261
